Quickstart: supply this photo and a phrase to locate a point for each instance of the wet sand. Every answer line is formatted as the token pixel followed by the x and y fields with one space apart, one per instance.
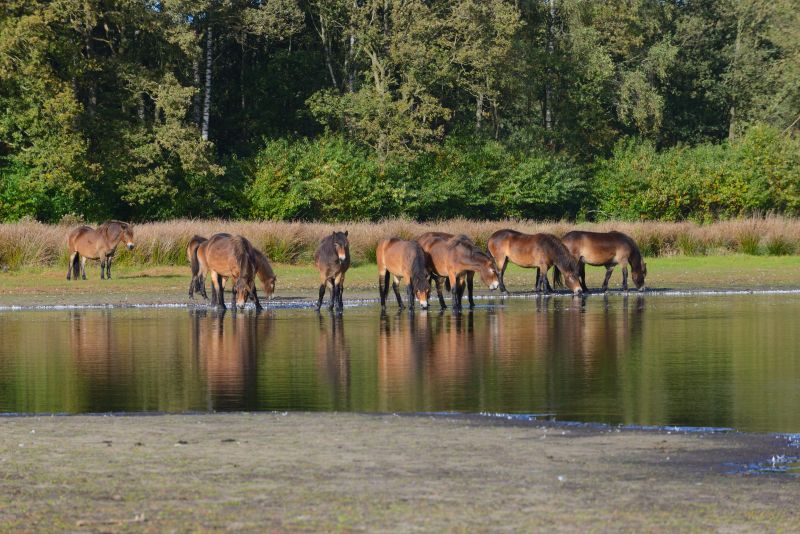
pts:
pixel 348 472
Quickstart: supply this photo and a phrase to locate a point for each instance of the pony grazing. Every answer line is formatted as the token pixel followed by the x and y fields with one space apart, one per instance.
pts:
pixel 457 259
pixel 87 243
pixel 406 260
pixel 263 269
pixel 332 260
pixel 226 256
pixel 607 249
pixel 535 250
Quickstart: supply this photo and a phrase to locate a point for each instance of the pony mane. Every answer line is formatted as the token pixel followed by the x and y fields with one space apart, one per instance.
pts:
pixel 419 271
pixel 563 259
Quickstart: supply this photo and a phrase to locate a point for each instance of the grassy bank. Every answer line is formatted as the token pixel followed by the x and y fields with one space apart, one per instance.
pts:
pixel 341 472
pixel 169 284
pixel 32 244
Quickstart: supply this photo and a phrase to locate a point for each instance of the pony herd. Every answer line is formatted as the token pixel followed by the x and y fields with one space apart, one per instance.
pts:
pixel 434 258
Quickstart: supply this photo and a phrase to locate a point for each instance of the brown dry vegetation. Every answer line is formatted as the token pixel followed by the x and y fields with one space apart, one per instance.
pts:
pixel 29 243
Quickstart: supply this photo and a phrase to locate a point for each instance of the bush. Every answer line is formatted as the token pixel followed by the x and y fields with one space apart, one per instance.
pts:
pixel 329 179
pixel 757 174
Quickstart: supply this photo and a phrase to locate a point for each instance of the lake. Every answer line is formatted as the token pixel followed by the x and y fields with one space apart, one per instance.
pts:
pixel 719 360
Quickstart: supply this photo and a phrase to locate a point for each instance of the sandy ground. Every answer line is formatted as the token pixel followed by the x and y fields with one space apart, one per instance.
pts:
pixel 339 472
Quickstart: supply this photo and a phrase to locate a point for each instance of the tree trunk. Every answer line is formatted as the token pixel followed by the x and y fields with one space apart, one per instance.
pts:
pixel 207 95
pixel 326 46
pixel 197 96
pixel 548 90
pixel 242 102
pixel 736 48
pixel 478 113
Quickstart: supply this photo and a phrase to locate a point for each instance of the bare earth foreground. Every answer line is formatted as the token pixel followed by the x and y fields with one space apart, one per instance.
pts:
pixel 340 472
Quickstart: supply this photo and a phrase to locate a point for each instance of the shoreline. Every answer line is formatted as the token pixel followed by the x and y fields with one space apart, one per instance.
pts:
pixel 299 303
pixel 292 471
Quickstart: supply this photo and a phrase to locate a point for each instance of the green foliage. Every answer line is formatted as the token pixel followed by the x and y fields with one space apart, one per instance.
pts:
pixel 756 174
pixel 326 179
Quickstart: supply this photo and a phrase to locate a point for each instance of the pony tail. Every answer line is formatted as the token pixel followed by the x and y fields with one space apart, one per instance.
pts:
pixel 195 263
pixel 76 265
pixel 557 279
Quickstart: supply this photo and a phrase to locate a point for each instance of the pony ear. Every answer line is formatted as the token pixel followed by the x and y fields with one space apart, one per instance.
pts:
pixel 345 233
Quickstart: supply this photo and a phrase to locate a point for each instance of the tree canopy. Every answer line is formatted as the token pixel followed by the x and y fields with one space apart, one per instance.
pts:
pixel 151 109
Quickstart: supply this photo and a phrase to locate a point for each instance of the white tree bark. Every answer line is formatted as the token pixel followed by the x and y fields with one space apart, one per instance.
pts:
pixel 207 94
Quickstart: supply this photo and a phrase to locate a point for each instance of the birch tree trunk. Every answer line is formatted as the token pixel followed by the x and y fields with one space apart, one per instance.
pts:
pixel 196 111
pixel 207 94
pixel 736 50
pixel 548 90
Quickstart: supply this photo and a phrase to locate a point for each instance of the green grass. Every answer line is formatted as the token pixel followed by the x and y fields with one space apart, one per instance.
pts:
pixel 169 283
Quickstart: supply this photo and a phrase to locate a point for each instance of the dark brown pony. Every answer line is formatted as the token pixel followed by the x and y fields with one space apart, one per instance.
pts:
pixel 458 259
pixel 100 244
pixel 332 259
pixel 607 249
pixel 406 260
pixel 535 250
pixel 263 269
pixel 226 256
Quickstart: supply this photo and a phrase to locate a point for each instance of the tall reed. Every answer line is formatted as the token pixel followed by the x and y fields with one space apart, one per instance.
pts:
pixel 29 243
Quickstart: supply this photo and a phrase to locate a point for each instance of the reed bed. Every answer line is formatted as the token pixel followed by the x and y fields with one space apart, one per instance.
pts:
pixel 33 244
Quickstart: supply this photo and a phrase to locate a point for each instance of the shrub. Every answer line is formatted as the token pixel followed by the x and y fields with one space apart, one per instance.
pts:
pixel 759 173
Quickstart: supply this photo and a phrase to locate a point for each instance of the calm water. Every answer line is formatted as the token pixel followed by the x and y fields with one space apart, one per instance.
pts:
pixel 725 361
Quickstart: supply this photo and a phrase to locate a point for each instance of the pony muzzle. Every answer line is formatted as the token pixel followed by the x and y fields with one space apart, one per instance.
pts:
pixel 342 257
pixel 494 285
pixel 130 246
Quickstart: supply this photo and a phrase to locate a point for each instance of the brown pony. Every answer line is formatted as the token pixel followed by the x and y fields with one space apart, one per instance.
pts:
pixel 457 258
pixel 535 250
pixel 226 256
pixel 607 249
pixel 101 244
pixel 332 260
pixel 263 269
pixel 406 260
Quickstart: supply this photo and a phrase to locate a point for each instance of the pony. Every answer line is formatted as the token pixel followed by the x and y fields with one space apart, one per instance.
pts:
pixel 607 249
pixel 457 259
pixel 402 259
pixel 535 250
pixel 85 243
pixel 263 269
pixel 226 256
pixel 332 259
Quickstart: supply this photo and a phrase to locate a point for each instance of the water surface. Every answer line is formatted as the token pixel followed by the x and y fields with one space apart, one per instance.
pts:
pixel 702 360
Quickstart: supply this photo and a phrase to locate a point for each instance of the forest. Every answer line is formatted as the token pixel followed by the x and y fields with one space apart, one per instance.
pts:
pixel 334 110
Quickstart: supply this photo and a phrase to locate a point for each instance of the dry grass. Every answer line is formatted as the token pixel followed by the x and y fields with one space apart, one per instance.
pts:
pixel 28 243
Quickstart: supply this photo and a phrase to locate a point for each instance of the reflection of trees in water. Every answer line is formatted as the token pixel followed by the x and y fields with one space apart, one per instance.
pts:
pixel 225 347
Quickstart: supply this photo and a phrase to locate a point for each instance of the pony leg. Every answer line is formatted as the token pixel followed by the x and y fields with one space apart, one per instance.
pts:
pixel 383 286
pixel 582 275
pixel 340 292
pixel 397 294
pixel 102 269
pixel 83 267
pixel 334 290
pixel 609 270
pixel 254 294
pixel 410 294
pixel 455 293
pixel 322 287
pixel 625 277
pixel 71 266
pixel 233 294
pixel 539 285
pixel 201 285
pixel 438 282
pixel 545 282
pixel 470 279
pixel 221 291
pixel 108 267
pixel 503 275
